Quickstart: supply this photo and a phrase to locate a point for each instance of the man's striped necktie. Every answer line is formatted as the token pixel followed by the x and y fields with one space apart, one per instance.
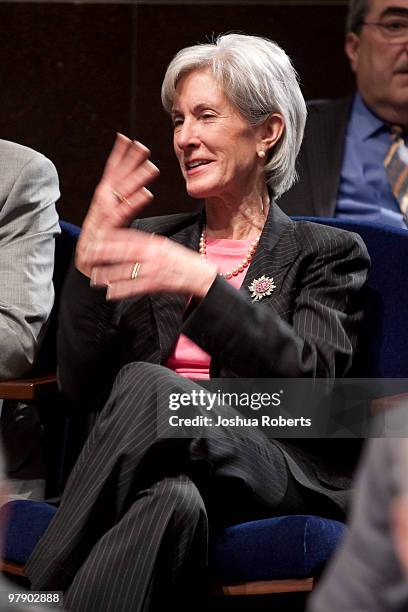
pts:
pixel 396 168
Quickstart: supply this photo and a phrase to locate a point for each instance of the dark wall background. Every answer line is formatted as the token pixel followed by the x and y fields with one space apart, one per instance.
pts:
pixel 72 75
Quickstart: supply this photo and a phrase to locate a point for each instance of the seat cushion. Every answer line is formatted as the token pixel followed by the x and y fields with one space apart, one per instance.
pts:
pixel 25 522
pixel 276 548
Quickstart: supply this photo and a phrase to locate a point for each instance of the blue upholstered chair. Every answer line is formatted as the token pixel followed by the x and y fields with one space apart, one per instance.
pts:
pixel 284 554
pixel 277 555
pixel 26 522
pixel 383 342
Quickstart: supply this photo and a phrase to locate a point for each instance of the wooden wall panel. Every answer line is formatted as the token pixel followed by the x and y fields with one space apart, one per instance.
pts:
pixel 72 74
pixel 65 75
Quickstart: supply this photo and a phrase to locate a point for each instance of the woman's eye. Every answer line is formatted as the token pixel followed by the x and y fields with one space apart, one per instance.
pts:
pixel 177 122
pixel 207 116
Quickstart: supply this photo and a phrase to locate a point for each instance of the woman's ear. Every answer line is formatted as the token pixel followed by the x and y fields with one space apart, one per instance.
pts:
pixel 272 130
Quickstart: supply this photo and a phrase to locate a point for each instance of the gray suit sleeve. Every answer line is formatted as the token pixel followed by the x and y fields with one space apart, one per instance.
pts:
pixel 364 575
pixel 28 226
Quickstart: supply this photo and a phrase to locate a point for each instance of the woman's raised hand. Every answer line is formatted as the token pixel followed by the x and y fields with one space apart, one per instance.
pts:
pixel 120 195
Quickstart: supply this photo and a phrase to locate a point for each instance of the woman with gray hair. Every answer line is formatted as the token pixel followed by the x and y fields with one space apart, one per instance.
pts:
pixel 237 290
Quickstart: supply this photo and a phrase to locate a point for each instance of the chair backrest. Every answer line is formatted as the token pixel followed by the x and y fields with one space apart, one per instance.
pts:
pixel 65 245
pixel 383 343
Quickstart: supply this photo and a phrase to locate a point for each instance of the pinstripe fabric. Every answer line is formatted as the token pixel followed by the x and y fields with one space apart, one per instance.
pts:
pixel 119 505
pixel 132 550
pixel 318 272
pixel 131 492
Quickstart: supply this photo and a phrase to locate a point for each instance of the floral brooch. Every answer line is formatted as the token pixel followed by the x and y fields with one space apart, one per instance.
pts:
pixel 260 287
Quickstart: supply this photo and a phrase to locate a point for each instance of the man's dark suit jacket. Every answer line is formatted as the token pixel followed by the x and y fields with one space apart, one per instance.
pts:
pixel 307 327
pixel 320 160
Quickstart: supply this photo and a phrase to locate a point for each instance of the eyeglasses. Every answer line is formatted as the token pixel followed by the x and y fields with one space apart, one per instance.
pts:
pixel 395 31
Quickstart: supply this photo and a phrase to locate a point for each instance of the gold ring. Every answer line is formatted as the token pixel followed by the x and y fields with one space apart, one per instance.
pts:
pixel 120 197
pixel 135 270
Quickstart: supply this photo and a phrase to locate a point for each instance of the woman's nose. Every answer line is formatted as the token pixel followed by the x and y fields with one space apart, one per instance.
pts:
pixel 186 135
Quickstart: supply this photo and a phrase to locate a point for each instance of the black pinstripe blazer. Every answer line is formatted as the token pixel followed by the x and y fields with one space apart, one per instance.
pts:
pixel 306 327
pixel 320 160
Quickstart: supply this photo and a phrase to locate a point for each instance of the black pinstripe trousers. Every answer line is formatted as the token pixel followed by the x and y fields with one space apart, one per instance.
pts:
pixel 131 531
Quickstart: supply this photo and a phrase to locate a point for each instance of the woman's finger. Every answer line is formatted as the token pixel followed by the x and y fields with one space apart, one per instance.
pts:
pixel 133 204
pixel 104 275
pixel 117 154
pixel 124 208
pixel 124 245
pixel 140 177
pixel 134 156
pixel 127 288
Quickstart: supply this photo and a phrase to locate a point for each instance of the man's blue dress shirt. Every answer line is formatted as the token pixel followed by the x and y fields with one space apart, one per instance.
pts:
pixel 364 192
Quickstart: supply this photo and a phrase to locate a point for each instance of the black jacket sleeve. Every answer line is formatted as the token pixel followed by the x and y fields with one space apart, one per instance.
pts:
pixel 87 341
pixel 253 340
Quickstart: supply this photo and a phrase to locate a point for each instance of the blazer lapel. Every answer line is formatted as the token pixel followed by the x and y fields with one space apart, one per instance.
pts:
pixel 168 308
pixel 277 249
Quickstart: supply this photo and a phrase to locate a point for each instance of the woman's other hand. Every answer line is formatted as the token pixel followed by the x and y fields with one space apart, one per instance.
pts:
pixel 120 195
pixel 165 266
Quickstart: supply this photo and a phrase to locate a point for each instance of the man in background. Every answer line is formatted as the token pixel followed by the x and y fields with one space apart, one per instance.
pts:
pixel 369 572
pixel 353 161
pixel 28 226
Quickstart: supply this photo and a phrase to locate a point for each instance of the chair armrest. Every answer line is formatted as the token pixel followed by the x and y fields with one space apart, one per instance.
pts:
pixel 389 402
pixel 10 567
pixel 265 587
pixel 29 388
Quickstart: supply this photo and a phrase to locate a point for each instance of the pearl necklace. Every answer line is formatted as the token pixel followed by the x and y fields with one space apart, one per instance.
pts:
pixel 244 263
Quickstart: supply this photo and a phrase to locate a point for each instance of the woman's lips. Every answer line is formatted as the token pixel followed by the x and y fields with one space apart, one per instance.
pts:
pixel 196 167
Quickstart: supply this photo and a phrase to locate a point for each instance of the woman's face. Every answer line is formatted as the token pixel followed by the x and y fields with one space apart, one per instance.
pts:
pixel 215 146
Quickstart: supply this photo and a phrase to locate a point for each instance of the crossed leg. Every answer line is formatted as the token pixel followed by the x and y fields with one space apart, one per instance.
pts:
pixel 134 501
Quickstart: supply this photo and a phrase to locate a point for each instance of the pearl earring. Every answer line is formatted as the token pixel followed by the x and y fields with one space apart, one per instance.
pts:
pixel 261 154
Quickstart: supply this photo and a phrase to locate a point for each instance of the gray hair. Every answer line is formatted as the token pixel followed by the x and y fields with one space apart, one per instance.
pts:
pixel 258 78
pixel 357 12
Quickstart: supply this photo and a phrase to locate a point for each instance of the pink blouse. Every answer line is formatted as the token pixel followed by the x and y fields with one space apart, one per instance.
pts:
pixel 187 358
